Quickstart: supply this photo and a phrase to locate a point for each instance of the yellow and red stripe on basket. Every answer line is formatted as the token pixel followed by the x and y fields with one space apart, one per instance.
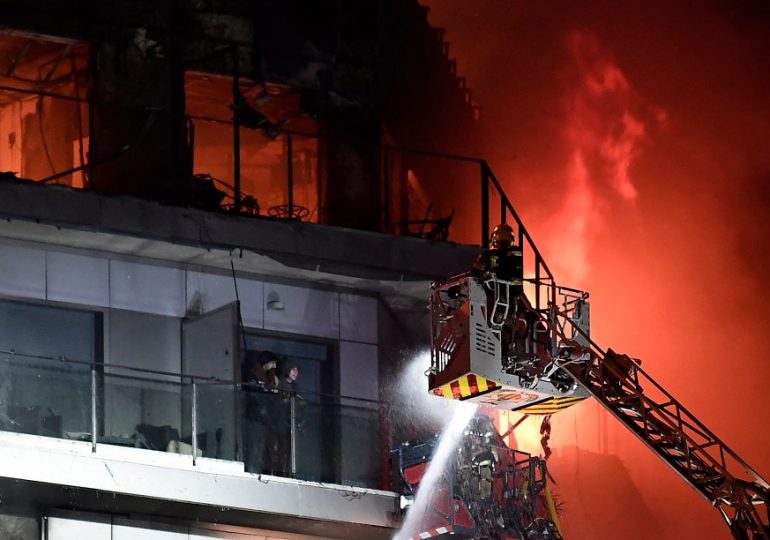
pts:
pixel 467 386
pixel 472 387
pixel 478 389
pixel 553 405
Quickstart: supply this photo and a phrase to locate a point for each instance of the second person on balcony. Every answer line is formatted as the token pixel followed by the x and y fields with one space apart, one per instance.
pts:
pixel 285 422
pixel 260 386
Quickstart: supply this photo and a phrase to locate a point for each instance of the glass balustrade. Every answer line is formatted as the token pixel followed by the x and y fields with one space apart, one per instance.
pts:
pixel 41 396
pixel 311 437
pixel 142 412
pixel 319 438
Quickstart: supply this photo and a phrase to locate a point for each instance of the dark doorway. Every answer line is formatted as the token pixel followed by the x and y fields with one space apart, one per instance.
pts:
pixel 316 433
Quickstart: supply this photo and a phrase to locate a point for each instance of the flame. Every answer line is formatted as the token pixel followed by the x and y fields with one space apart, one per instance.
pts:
pixel 577 220
pixel 526 436
pixel 604 129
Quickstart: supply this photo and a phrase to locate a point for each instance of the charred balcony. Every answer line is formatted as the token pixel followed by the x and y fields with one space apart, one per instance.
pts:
pixel 280 112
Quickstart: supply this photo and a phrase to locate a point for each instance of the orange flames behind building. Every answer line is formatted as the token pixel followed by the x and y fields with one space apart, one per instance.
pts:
pixel 634 144
pixel 604 126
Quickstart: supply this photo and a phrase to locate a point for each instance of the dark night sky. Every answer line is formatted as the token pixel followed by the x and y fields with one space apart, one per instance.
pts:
pixel 634 139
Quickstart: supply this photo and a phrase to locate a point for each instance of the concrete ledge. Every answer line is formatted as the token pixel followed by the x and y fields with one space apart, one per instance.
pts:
pixel 171 482
pixel 335 250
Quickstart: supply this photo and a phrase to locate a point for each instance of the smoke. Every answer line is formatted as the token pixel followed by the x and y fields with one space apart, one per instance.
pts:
pixel 599 121
pixel 577 220
pixel 420 411
pixel 421 414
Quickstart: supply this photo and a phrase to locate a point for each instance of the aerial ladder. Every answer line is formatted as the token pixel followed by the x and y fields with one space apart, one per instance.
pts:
pixel 523 343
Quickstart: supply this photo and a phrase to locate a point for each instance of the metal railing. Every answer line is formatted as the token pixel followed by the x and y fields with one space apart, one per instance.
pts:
pixel 300 435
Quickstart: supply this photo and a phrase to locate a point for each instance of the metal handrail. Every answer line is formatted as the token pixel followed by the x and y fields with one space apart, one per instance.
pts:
pixel 488 179
pixel 191 412
pixel 185 378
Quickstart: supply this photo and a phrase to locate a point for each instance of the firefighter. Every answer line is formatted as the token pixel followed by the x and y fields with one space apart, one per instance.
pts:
pixel 484 456
pixel 503 259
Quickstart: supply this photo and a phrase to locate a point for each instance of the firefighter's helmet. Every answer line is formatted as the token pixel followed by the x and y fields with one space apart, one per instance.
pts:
pixel 502 237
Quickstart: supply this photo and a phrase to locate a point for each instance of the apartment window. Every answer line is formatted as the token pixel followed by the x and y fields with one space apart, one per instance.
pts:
pixel 45 381
pixel 278 158
pixel 43 109
pixel 315 426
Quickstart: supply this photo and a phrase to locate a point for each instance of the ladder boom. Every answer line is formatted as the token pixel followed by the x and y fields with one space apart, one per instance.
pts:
pixel 491 345
pixel 632 396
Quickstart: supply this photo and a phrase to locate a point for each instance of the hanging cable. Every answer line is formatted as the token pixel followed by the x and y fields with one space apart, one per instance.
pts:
pixel 238 300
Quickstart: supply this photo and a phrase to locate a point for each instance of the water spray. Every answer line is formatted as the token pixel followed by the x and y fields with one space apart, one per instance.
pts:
pixel 447 444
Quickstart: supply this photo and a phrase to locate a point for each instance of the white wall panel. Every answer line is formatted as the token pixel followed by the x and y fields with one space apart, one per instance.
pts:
pixel 145 341
pixel 358 318
pixel 358 370
pixel 72 463
pixel 359 429
pixel 310 312
pixel 211 349
pixel 59 528
pixel 70 525
pixel 252 302
pixel 203 534
pixel 207 292
pixel 147 288
pixel 22 272
pixel 78 279
pixel 126 531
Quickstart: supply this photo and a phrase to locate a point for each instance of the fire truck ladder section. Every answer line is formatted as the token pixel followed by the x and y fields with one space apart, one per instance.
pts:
pixel 619 383
pixel 486 365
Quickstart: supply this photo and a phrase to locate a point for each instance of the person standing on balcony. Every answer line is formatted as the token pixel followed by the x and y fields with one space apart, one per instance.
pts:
pixel 260 384
pixel 284 420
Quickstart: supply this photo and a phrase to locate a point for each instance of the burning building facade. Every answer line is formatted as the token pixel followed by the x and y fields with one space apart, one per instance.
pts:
pixel 189 187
